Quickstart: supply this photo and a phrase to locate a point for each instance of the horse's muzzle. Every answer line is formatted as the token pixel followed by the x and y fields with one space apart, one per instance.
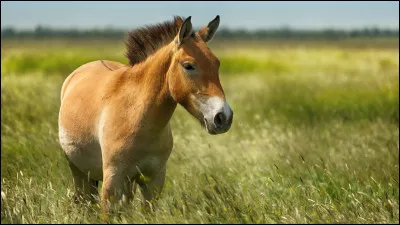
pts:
pixel 221 123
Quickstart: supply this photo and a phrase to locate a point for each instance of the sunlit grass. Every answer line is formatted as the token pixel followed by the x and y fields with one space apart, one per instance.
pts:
pixel 316 143
pixel 63 59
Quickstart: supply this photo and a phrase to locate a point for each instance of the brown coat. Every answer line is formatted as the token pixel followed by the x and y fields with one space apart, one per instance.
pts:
pixel 114 118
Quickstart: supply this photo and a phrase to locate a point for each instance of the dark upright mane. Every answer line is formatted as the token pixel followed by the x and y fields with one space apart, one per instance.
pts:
pixel 144 41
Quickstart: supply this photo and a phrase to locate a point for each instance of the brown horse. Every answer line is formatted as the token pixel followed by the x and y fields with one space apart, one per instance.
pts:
pixel 114 118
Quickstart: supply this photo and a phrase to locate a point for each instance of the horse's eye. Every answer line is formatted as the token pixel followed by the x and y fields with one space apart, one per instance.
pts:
pixel 188 66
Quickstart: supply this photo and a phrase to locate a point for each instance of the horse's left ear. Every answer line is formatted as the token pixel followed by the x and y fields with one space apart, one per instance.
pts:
pixel 207 32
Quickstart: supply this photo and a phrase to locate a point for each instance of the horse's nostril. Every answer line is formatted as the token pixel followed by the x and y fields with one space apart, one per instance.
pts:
pixel 219 119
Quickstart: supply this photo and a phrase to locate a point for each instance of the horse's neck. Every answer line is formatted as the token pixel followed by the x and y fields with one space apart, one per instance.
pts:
pixel 153 85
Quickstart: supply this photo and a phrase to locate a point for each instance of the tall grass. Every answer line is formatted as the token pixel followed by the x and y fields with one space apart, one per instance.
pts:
pixel 314 143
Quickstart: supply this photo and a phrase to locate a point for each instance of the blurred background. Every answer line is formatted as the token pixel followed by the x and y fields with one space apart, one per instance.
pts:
pixel 252 20
pixel 313 85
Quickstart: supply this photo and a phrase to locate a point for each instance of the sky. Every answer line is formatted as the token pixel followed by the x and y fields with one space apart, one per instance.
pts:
pixel 245 14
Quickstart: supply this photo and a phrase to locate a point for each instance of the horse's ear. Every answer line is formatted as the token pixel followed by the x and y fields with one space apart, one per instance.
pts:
pixel 207 32
pixel 185 30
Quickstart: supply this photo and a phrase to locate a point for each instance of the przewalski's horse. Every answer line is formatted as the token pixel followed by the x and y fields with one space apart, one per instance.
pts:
pixel 114 118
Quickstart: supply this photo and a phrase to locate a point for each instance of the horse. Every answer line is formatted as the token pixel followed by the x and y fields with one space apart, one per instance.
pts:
pixel 114 119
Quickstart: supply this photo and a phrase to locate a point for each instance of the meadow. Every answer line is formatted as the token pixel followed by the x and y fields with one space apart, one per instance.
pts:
pixel 314 139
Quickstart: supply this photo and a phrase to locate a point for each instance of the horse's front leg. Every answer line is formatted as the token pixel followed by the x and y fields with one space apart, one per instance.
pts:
pixel 115 185
pixel 151 189
pixel 111 190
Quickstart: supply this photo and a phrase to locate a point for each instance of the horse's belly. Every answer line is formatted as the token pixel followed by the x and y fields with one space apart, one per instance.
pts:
pixel 85 156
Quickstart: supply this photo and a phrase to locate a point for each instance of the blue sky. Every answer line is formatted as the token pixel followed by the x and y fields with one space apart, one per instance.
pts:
pixel 250 15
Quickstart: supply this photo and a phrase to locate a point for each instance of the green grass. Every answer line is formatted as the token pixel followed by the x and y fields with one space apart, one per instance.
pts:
pixel 314 140
pixel 61 57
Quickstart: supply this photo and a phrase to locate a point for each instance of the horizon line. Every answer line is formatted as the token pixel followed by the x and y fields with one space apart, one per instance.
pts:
pixel 111 27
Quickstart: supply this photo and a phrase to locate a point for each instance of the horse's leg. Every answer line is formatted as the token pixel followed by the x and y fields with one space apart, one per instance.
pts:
pixel 85 188
pixel 151 190
pixel 128 190
pixel 112 189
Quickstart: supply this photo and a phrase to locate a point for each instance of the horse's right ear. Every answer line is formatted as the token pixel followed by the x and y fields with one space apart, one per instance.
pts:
pixel 185 30
pixel 207 32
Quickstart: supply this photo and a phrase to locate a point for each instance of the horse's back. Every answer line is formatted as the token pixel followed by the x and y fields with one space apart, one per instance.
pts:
pixel 91 69
pixel 112 65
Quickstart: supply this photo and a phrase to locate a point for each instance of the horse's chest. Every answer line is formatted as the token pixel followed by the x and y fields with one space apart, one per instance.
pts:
pixel 150 164
pixel 150 156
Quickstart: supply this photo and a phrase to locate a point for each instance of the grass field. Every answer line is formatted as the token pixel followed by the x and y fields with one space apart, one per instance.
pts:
pixel 315 137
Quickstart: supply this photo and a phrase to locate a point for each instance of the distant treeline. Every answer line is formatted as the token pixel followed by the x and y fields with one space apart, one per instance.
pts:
pixel 226 33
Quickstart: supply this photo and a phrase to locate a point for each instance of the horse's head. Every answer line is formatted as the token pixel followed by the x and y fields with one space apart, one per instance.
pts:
pixel 193 78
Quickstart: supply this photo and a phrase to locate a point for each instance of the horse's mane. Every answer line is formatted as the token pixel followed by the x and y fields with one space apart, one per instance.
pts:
pixel 144 41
